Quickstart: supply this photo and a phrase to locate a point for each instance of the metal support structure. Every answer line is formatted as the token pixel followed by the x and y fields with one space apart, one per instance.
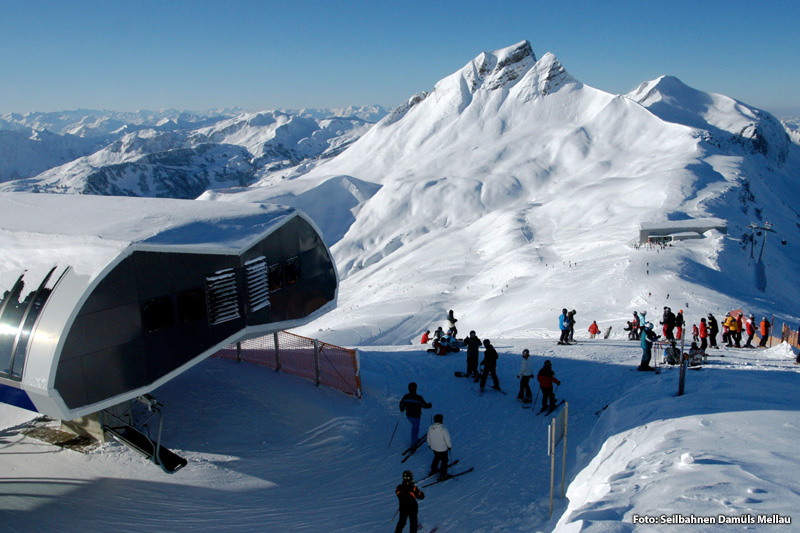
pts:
pixel 316 362
pixel 556 432
pixel 277 352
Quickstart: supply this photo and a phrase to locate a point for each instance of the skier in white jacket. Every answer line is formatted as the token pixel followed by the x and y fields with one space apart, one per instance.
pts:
pixel 525 373
pixel 439 442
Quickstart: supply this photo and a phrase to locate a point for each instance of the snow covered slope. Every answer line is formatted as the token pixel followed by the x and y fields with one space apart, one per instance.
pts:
pixel 512 177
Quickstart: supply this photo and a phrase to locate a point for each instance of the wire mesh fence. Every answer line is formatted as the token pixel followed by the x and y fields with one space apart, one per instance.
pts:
pixel 320 362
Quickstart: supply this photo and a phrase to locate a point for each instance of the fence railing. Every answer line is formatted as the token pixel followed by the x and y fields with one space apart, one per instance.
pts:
pixel 320 362
pixel 792 336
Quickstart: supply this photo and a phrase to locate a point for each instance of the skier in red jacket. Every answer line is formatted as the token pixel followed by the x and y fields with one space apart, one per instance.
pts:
pixel 546 379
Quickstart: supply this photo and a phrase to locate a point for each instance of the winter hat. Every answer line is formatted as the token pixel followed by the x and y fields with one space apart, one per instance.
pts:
pixel 438 418
pixel 547 363
pixel 525 352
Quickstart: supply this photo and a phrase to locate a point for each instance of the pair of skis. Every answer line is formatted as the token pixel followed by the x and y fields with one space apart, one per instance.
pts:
pixel 410 451
pixel 449 476
pixel 550 411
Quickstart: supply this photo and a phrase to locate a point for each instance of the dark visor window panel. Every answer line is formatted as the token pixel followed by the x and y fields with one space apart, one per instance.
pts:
pixel 223 300
pixel 257 281
pixel 276 277
pixel 292 270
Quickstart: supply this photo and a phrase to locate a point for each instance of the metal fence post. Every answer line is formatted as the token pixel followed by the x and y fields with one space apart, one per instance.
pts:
pixel 277 352
pixel 238 352
pixel 316 361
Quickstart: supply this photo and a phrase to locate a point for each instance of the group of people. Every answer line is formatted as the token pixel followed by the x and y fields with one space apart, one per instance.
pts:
pixel 443 343
pixel 704 336
pixel 566 324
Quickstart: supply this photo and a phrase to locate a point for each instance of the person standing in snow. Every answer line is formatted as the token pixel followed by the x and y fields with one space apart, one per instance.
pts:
pixel 563 326
pixel 524 376
pixel 713 330
pixel 679 325
pixel 703 334
pixel 473 347
pixel 451 320
pixel 648 337
pixel 571 325
pixel 408 496
pixel 546 378
pixel 765 326
pixel 594 329
pixel 726 330
pixel 696 332
pixel 635 327
pixel 668 320
pixel 750 329
pixel 439 443
pixel 413 404
pixel 489 365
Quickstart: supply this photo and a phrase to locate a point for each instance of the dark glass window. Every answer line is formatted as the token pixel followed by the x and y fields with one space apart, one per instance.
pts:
pixel 157 315
pixel 292 270
pixel 191 305
pixel 275 277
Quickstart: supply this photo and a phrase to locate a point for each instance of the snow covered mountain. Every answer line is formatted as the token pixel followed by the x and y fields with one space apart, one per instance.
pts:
pixel 167 153
pixel 511 176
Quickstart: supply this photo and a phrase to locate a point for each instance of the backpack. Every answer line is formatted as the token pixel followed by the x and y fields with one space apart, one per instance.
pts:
pixel 672 355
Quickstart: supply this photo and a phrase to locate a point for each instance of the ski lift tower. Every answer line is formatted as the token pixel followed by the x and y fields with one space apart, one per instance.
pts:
pixel 757 230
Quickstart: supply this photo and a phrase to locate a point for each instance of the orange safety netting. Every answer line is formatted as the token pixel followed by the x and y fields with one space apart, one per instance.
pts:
pixel 320 362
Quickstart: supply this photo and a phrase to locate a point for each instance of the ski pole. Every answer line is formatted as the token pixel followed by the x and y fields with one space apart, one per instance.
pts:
pixel 393 432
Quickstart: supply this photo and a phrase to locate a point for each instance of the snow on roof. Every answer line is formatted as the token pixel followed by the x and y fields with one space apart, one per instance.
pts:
pixel 685 224
pixel 40 231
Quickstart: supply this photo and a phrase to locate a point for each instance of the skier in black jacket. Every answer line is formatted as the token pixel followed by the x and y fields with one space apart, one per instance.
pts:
pixel 713 329
pixel 489 365
pixel 407 495
pixel 473 345
pixel 413 404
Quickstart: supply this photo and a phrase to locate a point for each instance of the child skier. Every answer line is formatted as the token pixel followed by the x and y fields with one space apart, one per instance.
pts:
pixel 546 379
pixel 407 495
pixel 525 373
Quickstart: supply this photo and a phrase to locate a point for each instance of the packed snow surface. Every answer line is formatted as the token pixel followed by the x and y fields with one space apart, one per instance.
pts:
pixel 271 452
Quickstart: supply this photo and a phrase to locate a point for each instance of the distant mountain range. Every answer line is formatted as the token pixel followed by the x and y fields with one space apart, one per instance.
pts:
pixel 167 153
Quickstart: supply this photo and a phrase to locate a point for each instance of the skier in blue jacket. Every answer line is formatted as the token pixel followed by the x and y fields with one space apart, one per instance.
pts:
pixel 648 337
pixel 563 325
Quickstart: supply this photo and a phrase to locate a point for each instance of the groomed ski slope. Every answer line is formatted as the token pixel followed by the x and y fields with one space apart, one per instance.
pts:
pixel 271 452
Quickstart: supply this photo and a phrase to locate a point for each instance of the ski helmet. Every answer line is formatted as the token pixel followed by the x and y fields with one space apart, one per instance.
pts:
pixel 547 363
pixel 408 475
pixel 649 325
pixel 526 352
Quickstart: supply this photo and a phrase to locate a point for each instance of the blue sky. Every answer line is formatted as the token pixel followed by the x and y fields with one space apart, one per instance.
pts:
pixel 197 55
